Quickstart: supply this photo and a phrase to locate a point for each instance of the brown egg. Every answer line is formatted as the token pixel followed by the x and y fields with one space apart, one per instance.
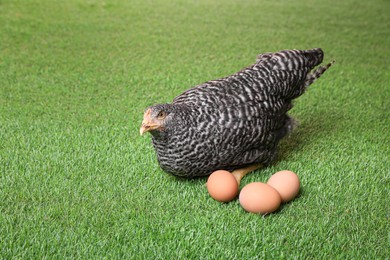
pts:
pixel 258 197
pixel 222 186
pixel 286 183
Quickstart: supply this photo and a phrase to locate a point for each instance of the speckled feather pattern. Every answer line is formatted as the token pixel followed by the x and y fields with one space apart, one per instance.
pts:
pixel 237 120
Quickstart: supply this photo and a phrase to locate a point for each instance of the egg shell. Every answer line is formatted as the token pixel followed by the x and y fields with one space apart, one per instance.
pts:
pixel 222 186
pixel 258 197
pixel 286 183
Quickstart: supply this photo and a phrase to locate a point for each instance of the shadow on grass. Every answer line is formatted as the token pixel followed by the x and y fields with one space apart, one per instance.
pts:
pixel 300 138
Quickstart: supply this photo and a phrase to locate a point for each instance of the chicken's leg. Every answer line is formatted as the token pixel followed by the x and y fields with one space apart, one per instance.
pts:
pixel 240 173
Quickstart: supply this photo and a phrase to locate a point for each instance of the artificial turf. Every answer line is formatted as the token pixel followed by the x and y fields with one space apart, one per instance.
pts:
pixel 77 180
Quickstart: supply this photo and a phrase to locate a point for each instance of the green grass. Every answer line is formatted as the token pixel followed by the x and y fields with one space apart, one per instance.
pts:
pixel 77 180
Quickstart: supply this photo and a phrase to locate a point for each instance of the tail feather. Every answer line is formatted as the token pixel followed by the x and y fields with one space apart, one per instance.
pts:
pixel 312 57
pixel 311 77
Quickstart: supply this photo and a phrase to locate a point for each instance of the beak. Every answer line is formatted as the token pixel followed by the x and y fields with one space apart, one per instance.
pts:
pixel 143 129
pixel 147 127
pixel 148 123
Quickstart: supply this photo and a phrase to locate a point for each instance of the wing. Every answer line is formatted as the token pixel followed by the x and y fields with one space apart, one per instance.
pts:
pixel 245 112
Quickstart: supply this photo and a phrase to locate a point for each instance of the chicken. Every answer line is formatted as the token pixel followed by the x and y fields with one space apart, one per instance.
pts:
pixel 233 122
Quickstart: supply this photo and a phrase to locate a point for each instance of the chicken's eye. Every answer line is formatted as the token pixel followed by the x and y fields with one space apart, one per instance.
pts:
pixel 161 115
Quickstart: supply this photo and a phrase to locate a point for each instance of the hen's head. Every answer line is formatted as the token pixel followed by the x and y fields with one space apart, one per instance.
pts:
pixel 156 118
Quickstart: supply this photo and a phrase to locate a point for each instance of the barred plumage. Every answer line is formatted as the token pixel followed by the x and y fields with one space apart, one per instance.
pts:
pixel 233 121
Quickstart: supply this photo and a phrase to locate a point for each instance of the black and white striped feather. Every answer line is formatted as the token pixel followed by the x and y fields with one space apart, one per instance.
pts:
pixel 237 120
